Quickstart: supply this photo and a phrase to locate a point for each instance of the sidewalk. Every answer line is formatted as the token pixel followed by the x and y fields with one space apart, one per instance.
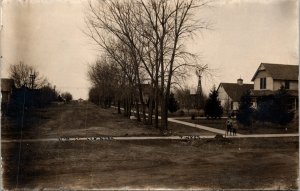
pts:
pixel 107 138
pixel 214 130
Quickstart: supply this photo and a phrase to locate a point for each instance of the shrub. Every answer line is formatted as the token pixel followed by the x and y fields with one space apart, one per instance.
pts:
pixel 279 110
pixel 193 117
pixel 181 113
pixel 245 113
pixel 276 109
pixel 173 105
pixel 213 106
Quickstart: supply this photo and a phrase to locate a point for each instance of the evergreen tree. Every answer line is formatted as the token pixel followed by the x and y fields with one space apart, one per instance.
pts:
pixel 213 106
pixel 263 111
pixel 173 105
pixel 279 110
pixel 245 113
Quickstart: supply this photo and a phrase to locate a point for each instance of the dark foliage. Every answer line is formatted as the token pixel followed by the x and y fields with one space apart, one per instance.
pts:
pixel 263 111
pixel 193 117
pixel 173 105
pixel 59 98
pixel 24 98
pixel 279 110
pixel 67 96
pixel 199 102
pixel 213 106
pixel 44 96
pixel 97 97
pixel 276 109
pixel 148 103
pixel 245 113
pixel 93 95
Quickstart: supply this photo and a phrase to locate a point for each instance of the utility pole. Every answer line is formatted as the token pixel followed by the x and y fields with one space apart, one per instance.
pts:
pixel 32 78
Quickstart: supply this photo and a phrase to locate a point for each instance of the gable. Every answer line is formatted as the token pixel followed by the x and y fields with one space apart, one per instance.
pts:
pixel 279 71
pixel 261 67
pixel 222 94
pixel 262 74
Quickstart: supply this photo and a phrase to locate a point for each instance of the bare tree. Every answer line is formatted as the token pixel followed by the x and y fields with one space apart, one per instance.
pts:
pixel 103 76
pixel 172 22
pixel 25 75
pixel 67 96
pixel 183 95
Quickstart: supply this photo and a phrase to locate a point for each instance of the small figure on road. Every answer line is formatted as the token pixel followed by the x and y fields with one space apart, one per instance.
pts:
pixel 234 131
pixel 234 128
pixel 228 125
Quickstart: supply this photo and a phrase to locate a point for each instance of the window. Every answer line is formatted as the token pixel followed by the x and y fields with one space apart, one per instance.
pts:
pixel 263 83
pixel 287 84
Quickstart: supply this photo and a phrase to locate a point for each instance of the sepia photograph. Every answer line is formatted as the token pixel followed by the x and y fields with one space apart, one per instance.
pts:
pixel 149 94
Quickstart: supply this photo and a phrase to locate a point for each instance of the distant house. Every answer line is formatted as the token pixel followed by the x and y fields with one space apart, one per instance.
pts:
pixel 231 93
pixel 270 77
pixel 7 86
pixel 197 101
pixel 147 92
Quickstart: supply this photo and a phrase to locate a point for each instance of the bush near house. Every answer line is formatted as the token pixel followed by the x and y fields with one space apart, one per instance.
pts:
pixel 262 113
pixel 276 110
pixel 245 113
pixel 279 110
pixel 173 105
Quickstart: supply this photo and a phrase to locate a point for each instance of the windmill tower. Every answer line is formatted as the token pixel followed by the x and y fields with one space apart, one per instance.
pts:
pixel 199 73
pixel 199 92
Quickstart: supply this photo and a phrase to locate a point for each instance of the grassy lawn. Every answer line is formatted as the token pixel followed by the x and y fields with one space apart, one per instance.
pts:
pixel 257 128
pixel 206 163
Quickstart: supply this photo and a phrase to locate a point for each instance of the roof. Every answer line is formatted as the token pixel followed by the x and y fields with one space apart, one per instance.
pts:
pixel 280 71
pixel 235 91
pixel 6 84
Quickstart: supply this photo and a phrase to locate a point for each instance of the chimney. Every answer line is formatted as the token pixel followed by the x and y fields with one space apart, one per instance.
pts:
pixel 240 81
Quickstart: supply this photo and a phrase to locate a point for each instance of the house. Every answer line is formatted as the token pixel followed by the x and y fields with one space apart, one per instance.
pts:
pixel 268 78
pixel 147 92
pixel 7 86
pixel 231 93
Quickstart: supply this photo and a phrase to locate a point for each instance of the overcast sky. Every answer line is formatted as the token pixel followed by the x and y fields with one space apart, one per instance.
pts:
pixel 48 34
